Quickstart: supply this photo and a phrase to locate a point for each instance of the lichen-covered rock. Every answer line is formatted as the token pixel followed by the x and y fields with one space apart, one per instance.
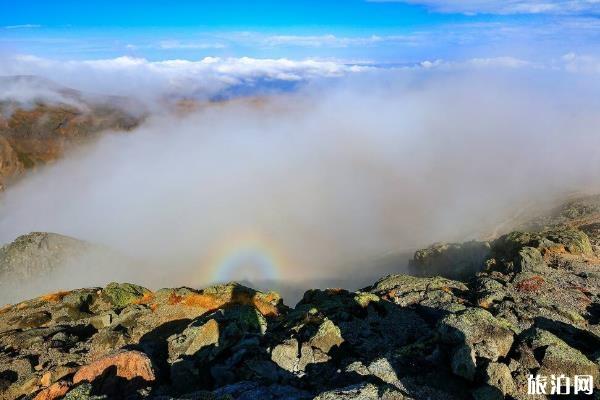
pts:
pixel 193 339
pixel 556 357
pixel 451 260
pixel 128 365
pixel 328 335
pixel 463 361
pixel 363 391
pixel 120 295
pixel 436 294
pixel 53 392
pixel 523 251
pixel 475 327
pixel 498 375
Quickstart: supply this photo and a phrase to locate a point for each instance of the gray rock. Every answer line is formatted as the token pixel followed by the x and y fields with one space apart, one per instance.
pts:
pixel 463 362
pixel 498 375
pixel 488 336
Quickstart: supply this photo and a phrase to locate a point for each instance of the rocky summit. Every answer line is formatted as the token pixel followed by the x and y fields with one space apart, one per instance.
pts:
pixel 524 304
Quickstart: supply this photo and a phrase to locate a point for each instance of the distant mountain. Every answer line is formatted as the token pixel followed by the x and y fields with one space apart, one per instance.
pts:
pixel 40 120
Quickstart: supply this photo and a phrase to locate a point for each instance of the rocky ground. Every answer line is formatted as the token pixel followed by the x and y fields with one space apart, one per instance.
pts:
pixel 525 303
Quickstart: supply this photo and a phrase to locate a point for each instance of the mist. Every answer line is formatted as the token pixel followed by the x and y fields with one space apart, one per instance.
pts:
pixel 329 177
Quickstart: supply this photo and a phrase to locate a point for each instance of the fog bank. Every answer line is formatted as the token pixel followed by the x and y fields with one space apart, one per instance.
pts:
pixel 310 185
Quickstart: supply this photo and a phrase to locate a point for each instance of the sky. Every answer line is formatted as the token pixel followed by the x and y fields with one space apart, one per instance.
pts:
pixel 351 31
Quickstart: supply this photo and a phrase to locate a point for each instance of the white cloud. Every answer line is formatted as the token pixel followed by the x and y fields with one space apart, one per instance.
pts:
pixel 142 78
pixel 23 26
pixel 581 63
pixel 507 6
pixel 178 45
pixel 491 62
pixel 149 81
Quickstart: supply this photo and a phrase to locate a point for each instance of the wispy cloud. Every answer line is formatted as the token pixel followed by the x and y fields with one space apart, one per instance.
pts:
pixel 330 40
pixel 177 44
pixel 507 6
pixel 23 26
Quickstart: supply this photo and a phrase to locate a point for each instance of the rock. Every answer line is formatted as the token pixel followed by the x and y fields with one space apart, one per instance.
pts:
pixel 193 339
pixel 557 357
pixel 10 164
pixel 435 293
pixel 463 362
pixel 286 355
pixel 122 294
pixel 246 390
pixel 33 320
pixel 487 393
pixel 530 259
pixel 517 250
pixel 363 391
pixel 56 391
pixel 450 260
pixel 327 336
pixel 382 369
pixel 83 391
pixel 475 327
pixel 37 254
pixel 127 365
pixel 102 321
pixel 497 375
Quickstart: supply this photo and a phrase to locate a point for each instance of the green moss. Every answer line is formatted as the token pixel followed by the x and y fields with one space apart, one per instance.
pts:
pixel 122 294
pixel 364 299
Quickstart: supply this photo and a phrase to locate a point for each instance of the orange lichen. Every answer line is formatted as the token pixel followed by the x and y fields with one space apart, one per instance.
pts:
pixel 212 302
pixel 54 297
pixel 147 298
pixel 127 365
pixel 484 303
pixel 554 251
pixel 207 301
pixel 55 391
pixel 174 299
pixel 532 284
pixel 447 289
pixel 265 308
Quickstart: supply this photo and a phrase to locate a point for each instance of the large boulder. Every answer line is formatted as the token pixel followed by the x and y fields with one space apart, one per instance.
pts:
pixel 451 260
pixel 476 330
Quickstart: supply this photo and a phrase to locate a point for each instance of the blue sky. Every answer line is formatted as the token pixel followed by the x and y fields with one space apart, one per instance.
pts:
pixel 351 30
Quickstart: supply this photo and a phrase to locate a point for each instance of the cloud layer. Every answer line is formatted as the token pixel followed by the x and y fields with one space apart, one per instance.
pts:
pixel 140 78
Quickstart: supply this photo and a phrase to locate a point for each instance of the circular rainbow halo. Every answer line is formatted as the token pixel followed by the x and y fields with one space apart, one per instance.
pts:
pixel 248 257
